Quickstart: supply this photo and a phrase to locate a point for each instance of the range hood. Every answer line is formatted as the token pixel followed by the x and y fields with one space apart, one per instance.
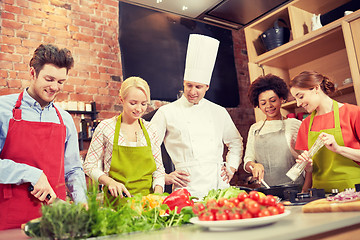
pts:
pixel 231 14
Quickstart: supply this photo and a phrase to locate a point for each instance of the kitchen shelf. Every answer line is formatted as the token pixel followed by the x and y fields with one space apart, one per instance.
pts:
pixel 93 115
pixel 331 50
pixel 347 89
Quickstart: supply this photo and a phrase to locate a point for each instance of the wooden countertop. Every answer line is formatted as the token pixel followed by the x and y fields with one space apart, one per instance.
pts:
pixel 297 225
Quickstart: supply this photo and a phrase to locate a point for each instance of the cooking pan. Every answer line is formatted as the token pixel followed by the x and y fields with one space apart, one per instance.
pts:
pixel 277 190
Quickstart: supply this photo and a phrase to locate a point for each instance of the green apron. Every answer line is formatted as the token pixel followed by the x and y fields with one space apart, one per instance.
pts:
pixel 331 170
pixel 132 166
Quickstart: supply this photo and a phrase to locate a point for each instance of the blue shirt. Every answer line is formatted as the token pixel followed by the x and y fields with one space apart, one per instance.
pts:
pixel 18 173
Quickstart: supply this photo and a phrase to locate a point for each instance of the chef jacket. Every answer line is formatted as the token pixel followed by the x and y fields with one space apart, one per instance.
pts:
pixel 17 173
pixel 197 133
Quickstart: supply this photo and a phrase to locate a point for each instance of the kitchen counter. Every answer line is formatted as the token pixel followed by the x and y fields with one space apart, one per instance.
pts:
pixel 297 225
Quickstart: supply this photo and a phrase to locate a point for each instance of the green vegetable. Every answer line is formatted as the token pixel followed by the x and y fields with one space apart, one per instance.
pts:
pixel 226 193
pixel 73 221
pixel 32 228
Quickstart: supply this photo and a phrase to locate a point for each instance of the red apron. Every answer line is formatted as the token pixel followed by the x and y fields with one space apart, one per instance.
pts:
pixel 38 144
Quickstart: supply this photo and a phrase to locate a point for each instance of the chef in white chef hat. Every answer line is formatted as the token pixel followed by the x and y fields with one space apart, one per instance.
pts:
pixel 195 129
pixel 200 60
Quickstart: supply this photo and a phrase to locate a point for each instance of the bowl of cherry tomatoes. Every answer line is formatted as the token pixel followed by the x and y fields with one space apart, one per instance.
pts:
pixel 245 210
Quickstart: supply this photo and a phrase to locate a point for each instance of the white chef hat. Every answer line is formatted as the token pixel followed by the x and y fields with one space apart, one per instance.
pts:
pixel 200 58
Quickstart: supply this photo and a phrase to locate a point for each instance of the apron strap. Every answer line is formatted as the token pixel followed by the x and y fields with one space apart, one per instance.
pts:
pixel 59 115
pixel 336 116
pixel 145 133
pixel 16 109
pixel 117 132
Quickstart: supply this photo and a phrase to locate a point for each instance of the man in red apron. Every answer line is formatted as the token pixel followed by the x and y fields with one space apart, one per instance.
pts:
pixel 39 155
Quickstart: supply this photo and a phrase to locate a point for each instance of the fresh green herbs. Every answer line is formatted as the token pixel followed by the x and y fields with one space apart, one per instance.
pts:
pixel 73 221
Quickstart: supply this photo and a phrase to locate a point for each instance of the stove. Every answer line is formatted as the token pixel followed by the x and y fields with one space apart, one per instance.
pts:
pixel 295 197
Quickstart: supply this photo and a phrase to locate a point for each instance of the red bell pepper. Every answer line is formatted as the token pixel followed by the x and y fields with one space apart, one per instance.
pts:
pixel 180 198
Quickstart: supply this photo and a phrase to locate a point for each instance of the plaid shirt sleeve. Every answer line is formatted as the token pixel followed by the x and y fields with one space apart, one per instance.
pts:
pixel 98 158
pixel 159 173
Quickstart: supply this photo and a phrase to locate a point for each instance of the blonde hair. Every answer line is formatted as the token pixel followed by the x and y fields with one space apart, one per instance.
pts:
pixel 136 82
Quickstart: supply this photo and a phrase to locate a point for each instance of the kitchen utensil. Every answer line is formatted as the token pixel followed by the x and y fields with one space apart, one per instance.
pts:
pixel 31 188
pixel 298 168
pixel 277 190
pixel 262 180
pixel 275 36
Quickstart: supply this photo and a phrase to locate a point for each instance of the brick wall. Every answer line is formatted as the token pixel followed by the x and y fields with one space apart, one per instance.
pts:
pixel 89 28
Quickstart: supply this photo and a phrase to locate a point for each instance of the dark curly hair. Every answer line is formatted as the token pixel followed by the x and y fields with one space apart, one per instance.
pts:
pixel 264 83
pixel 310 79
pixel 50 54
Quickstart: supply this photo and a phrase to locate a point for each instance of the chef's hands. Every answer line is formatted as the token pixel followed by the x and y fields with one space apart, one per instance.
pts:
pixel 177 177
pixel 227 173
pixel 42 189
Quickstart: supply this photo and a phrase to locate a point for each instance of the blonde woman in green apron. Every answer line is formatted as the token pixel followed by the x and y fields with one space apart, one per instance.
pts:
pixel 335 166
pixel 124 154
pixel 270 149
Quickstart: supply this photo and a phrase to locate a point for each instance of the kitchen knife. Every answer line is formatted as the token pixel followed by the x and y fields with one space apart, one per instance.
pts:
pixel 31 188
pixel 262 180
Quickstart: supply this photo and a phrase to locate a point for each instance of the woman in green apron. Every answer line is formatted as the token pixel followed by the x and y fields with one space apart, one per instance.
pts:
pixel 270 149
pixel 124 153
pixel 335 166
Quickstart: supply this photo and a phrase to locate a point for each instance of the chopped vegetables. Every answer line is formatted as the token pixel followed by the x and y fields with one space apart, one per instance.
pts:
pixel 345 196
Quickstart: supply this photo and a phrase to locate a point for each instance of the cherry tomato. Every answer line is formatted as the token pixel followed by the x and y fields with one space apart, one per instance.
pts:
pixel 270 200
pixel 264 213
pixel 222 201
pixel 242 196
pixel 221 215
pixel 280 207
pixel 241 205
pixel 198 208
pixel 262 201
pixel 226 210
pixel 246 214
pixel 254 195
pixel 207 216
pixel 234 215
pixel 273 210
pixel 253 207
pixel 211 203
pixel 235 201
pixel 229 205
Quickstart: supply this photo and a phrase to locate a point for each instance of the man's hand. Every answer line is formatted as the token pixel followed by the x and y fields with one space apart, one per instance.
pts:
pixel 42 188
pixel 179 178
pixel 227 174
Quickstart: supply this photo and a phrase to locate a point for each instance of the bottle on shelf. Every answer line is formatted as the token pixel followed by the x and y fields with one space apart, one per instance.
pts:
pixel 83 127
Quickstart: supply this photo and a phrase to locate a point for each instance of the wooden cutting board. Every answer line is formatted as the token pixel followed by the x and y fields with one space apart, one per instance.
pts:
pixel 323 205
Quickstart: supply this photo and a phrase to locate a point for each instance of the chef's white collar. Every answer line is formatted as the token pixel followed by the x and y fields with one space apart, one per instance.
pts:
pixel 186 103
